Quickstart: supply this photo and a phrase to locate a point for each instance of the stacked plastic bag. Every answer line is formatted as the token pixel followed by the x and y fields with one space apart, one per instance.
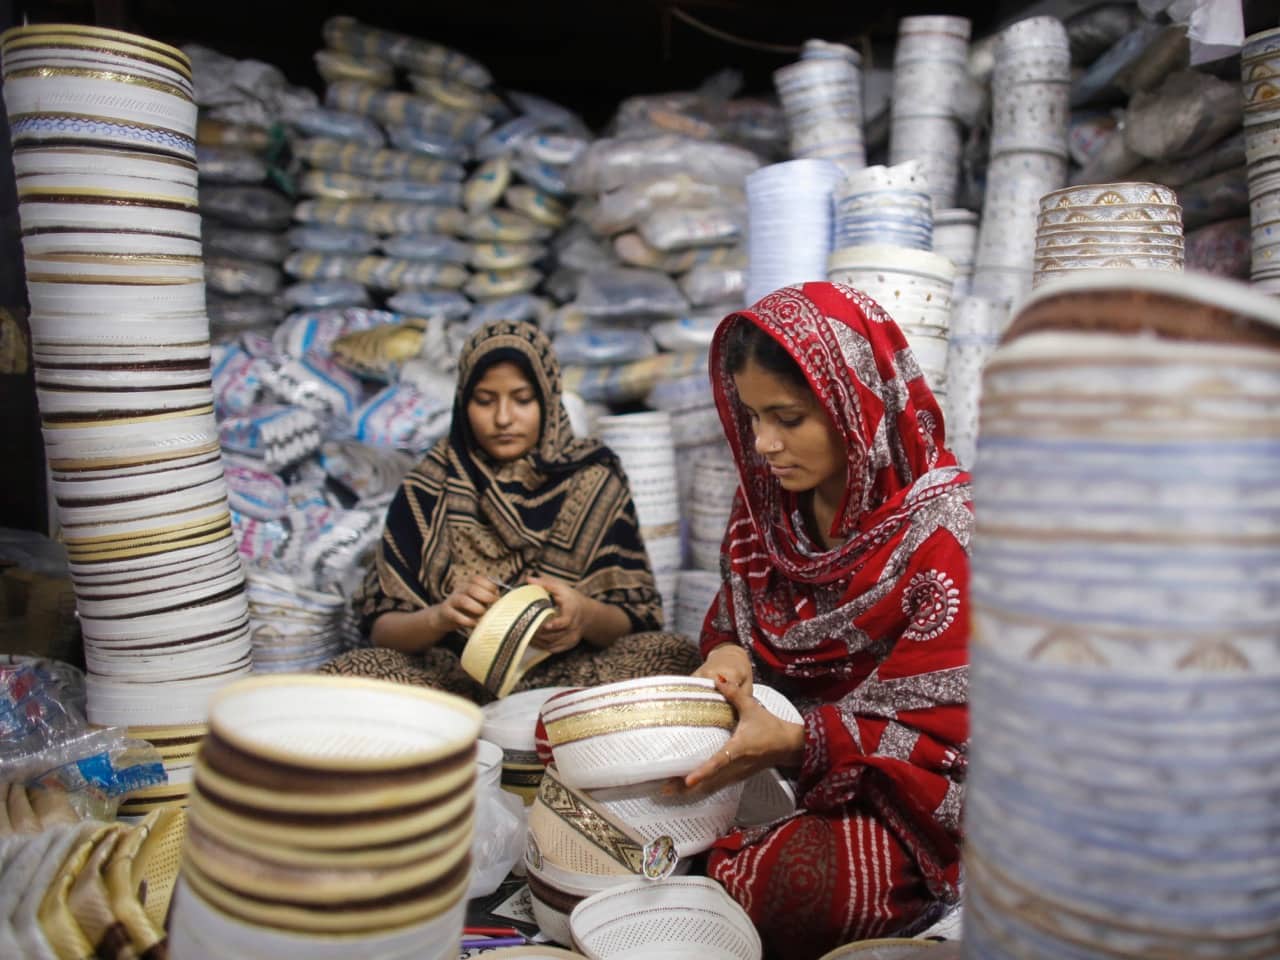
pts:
pixel 245 213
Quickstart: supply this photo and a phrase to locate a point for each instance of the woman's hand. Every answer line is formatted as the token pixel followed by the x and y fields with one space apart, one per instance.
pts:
pixel 563 630
pixel 466 604
pixel 729 662
pixel 760 741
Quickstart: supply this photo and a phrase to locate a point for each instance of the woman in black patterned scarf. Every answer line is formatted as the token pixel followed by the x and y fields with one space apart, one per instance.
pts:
pixel 512 497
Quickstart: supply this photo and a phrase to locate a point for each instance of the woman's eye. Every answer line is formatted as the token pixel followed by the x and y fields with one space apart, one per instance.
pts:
pixel 795 422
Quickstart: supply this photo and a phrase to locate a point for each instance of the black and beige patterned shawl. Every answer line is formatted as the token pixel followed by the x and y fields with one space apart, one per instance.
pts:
pixel 563 510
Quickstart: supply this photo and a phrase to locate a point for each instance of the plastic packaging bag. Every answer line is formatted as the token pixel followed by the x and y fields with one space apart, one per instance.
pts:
pixel 320 294
pixel 546 177
pixel 230 165
pixel 234 277
pixel 676 228
pixel 706 284
pixel 237 379
pixel 404 418
pixel 501 826
pixel 448 304
pixel 231 316
pixel 430 143
pixel 1093 32
pixel 275 434
pixel 445 194
pixel 265 245
pixel 316 330
pixel 1185 116
pixel 620 292
pixel 625 207
pixel 521 307
pixel 370 475
pixel 612 163
pixel 260 208
pixel 1218 197
pixel 1221 156
pixel 1223 248
pixel 427 247
pixel 333 239
pixel 315 382
pixel 339 125
pixel 592 348
pixel 255 492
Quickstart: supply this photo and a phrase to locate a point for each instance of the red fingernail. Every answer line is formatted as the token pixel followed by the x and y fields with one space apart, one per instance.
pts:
pixel 722 678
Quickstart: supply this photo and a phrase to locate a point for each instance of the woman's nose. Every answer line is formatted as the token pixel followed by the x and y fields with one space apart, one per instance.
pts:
pixel 766 441
pixel 502 414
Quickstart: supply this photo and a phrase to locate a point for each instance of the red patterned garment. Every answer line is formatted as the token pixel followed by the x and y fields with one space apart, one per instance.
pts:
pixel 868 639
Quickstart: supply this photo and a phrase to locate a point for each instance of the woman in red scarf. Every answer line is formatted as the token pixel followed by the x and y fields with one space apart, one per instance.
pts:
pixel 845 587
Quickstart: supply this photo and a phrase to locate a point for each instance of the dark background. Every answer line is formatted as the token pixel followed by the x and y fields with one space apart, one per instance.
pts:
pixel 587 54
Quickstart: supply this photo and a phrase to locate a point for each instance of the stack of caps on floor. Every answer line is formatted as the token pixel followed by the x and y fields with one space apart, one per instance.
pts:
pixel 975 330
pixel 177 746
pixel 790 224
pixel 698 436
pixel 644 444
pixel 955 236
pixel 911 283
pixel 1124 648
pixel 330 817
pixel 103 127
pixel 1029 90
pixel 601 817
pixel 930 71
pixel 512 723
pixel 1260 68
pixel 293 629
pixel 1108 226
pixel 89 889
pixel 822 97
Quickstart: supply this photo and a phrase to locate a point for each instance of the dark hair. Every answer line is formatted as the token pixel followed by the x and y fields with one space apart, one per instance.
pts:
pixel 746 342
pixel 491 360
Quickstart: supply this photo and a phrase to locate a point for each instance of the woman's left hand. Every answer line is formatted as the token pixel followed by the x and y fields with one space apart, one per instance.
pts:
pixel 563 630
pixel 760 741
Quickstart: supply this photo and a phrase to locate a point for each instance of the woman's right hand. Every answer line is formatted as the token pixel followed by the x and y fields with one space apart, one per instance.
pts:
pixel 467 603
pixel 727 663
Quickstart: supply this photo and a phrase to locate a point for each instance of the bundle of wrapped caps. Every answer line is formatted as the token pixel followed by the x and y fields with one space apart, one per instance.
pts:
pixel 602 816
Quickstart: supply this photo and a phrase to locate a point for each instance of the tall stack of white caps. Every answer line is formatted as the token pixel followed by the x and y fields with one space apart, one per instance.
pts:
pixel 789 224
pixel 1030 87
pixel 930 71
pixel 822 98
pixel 1260 68
pixel 1125 686
pixel 103 129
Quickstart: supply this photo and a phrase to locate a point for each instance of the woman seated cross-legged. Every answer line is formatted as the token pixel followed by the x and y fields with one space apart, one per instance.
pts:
pixel 510 496
pixel 845 587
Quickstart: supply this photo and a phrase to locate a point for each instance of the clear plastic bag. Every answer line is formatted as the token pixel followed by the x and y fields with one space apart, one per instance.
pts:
pixel 677 228
pixel 1185 116
pixel 253 491
pixel 232 276
pixel 612 163
pixel 265 245
pixel 430 303
pixel 521 306
pixel 591 348
pixel 333 239
pixel 627 206
pixel 322 294
pixel 230 165
pixel 706 284
pixel 431 143
pixel 339 125
pixel 501 825
pixel 427 247
pixel 258 207
pixel 620 292
pixel 316 383
pixel 404 418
